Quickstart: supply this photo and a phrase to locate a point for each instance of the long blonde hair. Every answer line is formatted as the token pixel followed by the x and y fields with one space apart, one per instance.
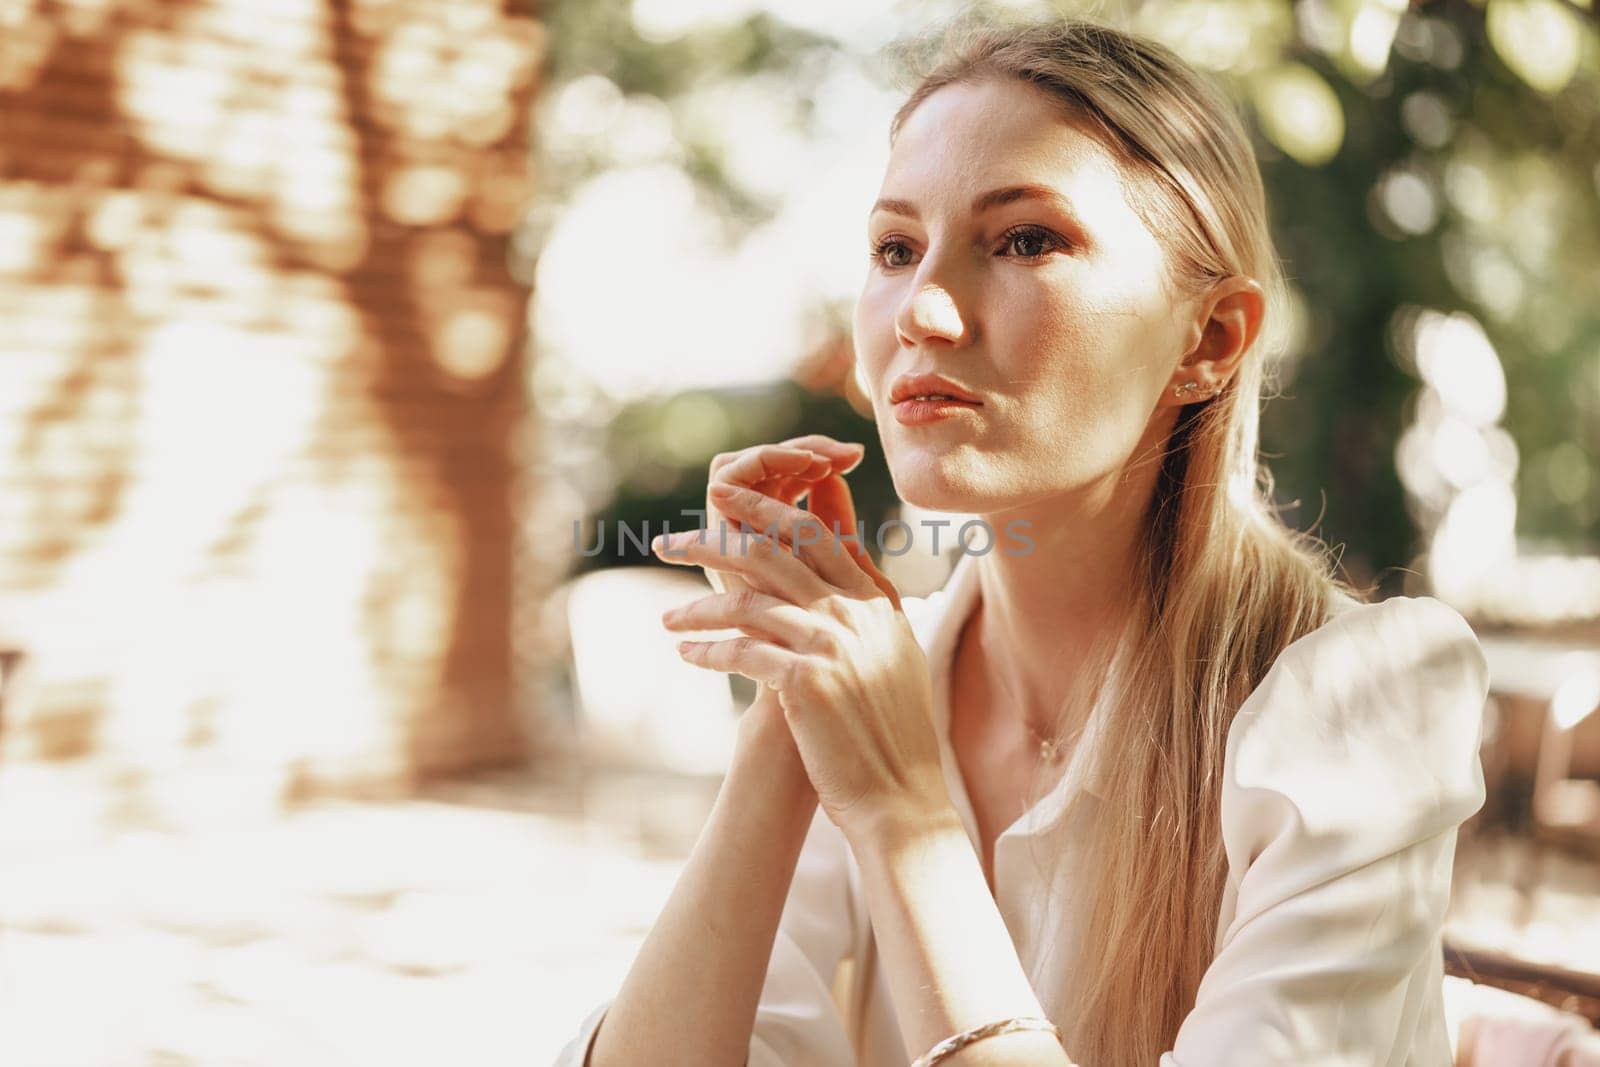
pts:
pixel 1226 585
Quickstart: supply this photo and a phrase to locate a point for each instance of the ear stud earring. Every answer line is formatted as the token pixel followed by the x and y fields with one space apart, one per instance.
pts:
pixel 1190 390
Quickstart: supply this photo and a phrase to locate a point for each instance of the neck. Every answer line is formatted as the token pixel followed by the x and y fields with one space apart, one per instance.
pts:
pixel 1043 616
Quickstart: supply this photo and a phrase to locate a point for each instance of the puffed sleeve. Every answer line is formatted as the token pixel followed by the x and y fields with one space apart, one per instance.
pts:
pixel 797 1023
pixel 1348 772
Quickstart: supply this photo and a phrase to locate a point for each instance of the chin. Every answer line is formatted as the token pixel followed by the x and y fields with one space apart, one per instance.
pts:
pixel 935 487
pixel 954 503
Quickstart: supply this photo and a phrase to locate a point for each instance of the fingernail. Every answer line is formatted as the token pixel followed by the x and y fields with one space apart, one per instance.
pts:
pixel 655 543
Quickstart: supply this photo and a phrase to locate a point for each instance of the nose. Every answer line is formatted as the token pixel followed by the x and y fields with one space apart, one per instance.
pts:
pixel 930 314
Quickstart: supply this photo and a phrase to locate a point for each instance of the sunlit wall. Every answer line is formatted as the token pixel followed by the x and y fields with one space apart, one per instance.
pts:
pixel 260 384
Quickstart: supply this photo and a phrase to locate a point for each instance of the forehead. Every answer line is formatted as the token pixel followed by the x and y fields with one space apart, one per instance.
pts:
pixel 967 138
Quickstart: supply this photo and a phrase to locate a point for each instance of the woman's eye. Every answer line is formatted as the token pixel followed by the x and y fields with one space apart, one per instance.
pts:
pixel 1024 242
pixel 1031 242
pixel 885 251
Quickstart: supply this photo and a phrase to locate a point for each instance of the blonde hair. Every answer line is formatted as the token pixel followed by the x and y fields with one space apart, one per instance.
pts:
pixel 1226 585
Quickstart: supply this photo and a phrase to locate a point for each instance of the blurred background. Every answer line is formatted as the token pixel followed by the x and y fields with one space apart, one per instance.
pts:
pixel 339 339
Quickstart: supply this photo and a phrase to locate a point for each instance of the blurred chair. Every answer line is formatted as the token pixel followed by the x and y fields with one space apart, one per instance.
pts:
pixel 13 663
pixel 10 662
pixel 1576 993
pixel 1493 1027
pixel 1563 679
pixel 639 704
pixel 1503 1010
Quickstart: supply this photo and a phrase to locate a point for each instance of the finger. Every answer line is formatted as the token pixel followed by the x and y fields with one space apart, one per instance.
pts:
pixel 847 456
pixel 781 471
pixel 767 564
pixel 810 539
pixel 760 661
pixel 773 470
pixel 847 452
pixel 754 612
pixel 792 490
pixel 777 471
pixel 766 463
pixel 832 503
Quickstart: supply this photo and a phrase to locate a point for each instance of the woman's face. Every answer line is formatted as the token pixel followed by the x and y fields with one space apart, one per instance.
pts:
pixel 1009 262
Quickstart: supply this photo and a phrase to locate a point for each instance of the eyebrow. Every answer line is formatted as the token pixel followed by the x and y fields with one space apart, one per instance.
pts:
pixel 992 199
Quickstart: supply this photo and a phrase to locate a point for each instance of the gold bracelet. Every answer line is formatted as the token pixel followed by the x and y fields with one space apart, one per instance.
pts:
pixel 957 1042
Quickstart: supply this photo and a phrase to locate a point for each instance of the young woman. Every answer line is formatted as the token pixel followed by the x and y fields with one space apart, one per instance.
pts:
pixel 1159 790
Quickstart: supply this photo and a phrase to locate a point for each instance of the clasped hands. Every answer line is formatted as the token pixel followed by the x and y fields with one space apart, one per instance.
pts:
pixel 820 626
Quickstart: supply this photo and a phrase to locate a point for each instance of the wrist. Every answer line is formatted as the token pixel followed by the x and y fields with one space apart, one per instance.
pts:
pixel 892 826
pixel 761 800
pixel 766 750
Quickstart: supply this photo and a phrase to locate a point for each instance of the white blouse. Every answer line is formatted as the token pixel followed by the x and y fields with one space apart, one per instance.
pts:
pixel 1347 773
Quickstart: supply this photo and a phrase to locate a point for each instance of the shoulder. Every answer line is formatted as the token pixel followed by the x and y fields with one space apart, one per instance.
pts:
pixel 1414 654
pixel 1411 646
pixel 1368 726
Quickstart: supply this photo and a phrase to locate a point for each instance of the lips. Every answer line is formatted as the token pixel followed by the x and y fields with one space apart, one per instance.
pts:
pixel 929 387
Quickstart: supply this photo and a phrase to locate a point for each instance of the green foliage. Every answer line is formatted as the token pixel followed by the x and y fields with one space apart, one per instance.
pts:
pixel 1503 221
pixel 663 485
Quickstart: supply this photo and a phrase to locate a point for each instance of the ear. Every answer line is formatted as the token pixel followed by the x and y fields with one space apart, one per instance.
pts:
pixel 1227 324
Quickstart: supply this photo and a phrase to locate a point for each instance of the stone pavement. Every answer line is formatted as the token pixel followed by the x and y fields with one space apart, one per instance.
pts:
pixel 475 924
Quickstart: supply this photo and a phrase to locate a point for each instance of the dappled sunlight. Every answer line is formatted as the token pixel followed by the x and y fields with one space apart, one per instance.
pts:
pixel 1460 468
pixel 700 310
pixel 416 921
pixel 259 409
pixel 209 91
pixel 1539 39
pixel 334 330
pixel 1300 113
pixel 209 379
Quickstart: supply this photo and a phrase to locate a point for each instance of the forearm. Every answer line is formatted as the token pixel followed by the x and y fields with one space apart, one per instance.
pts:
pixel 948 957
pixel 691 995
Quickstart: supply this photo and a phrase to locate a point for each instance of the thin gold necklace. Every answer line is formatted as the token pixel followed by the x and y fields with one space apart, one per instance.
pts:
pixel 1049 747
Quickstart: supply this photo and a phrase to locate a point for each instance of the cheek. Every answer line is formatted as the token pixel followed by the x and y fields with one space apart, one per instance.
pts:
pixel 1090 364
pixel 1053 343
pixel 873 333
